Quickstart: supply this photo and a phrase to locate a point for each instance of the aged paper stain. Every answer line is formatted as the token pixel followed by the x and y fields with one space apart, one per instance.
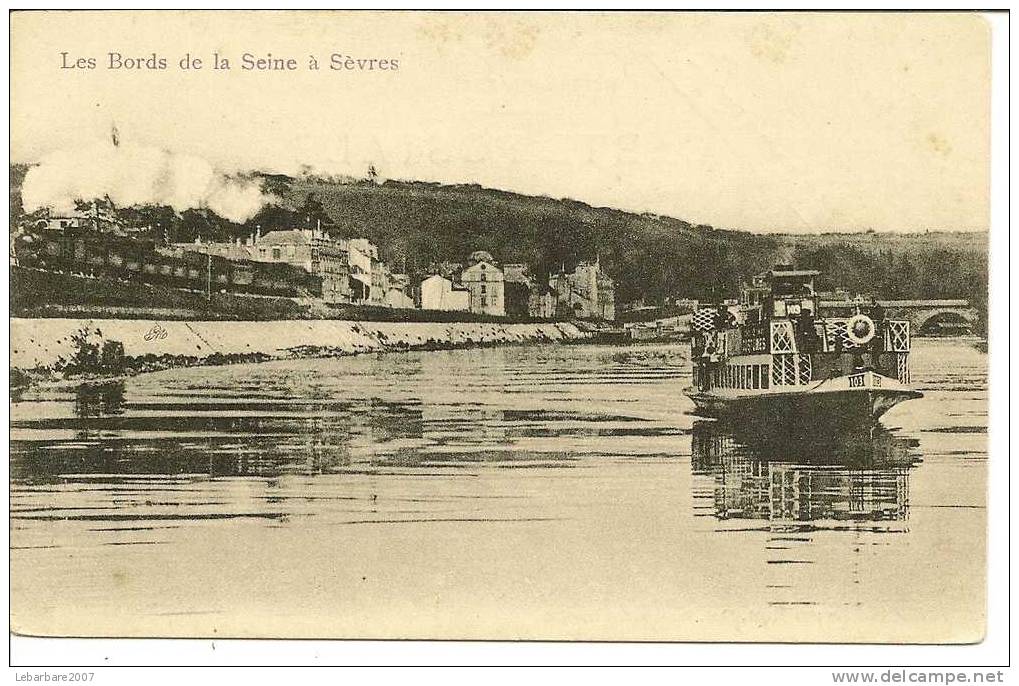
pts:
pixel 514 39
pixel 772 42
pixel 439 30
pixel 938 144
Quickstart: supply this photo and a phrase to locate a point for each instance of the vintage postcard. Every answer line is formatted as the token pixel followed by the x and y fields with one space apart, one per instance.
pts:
pixel 514 325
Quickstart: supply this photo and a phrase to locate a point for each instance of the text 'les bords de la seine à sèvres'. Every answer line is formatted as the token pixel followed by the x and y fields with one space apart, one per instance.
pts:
pixel 115 61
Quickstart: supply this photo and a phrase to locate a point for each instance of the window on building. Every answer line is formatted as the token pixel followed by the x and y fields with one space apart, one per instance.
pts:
pixel 484 301
pixel 482 288
pixel 275 253
pixel 765 374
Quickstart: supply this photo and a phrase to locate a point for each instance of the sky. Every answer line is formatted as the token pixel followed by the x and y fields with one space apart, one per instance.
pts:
pixel 764 122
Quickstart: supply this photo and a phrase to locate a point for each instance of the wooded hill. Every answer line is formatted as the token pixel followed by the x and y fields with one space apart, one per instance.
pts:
pixel 650 256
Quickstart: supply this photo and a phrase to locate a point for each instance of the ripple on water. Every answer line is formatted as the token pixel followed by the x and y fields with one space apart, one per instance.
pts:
pixel 367 487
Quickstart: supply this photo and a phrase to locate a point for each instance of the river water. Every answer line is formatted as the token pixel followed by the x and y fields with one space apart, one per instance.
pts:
pixel 555 491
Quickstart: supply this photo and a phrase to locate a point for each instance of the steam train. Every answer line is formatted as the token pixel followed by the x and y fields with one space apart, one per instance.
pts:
pixel 107 255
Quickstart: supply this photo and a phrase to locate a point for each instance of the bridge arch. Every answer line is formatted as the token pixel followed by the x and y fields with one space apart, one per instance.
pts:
pixel 924 323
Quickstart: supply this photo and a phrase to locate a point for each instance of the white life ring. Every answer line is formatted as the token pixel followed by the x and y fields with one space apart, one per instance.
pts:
pixel 860 329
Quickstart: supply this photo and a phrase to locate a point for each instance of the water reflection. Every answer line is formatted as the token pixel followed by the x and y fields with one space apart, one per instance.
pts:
pixel 96 400
pixel 822 509
pixel 804 480
pixel 110 433
pixel 483 479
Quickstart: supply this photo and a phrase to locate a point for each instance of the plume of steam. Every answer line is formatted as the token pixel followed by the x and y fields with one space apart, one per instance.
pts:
pixel 137 175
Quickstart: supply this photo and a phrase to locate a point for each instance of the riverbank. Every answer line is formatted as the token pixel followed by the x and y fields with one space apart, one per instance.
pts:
pixel 48 350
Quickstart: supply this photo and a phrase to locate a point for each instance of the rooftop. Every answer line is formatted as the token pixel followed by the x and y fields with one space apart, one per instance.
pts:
pixel 286 236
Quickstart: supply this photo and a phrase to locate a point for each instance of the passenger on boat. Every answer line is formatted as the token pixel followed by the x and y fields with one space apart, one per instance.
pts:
pixel 806 332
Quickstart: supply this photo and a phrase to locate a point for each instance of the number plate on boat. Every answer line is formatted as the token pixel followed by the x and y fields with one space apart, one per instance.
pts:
pixel 860 380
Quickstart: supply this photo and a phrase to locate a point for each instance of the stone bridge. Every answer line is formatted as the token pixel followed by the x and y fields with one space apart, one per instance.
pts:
pixel 921 314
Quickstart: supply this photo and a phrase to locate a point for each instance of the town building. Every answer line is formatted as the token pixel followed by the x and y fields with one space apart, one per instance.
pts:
pixel 363 258
pixel 439 293
pixel 60 223
pixel 97 217
pixel 485 283
pixel 350 270
pixel 381 281
pixel 314 251
pixel 541 303
pixel 398 293
pixel 519 285
pixel 585 293
pixel 310 249
pixel 233 250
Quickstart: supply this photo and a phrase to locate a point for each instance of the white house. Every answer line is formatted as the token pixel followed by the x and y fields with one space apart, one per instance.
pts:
pixel 439 293
pixel 484 280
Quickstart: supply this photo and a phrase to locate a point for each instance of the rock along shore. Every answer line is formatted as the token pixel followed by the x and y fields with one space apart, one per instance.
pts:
pixel 44 349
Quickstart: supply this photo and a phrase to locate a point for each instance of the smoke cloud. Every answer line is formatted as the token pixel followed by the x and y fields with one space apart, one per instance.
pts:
pixel 138 175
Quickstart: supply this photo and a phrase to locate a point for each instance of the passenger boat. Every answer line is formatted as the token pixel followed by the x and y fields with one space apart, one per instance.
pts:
pixel 773 360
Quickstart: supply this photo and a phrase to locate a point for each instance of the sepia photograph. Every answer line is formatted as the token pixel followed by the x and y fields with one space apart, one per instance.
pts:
pixel 663 327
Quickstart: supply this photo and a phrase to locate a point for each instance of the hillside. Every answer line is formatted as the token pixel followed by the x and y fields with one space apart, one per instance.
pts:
pixel 650 256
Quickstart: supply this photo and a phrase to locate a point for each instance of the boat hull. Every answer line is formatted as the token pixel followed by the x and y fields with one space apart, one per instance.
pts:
pixel 837 406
